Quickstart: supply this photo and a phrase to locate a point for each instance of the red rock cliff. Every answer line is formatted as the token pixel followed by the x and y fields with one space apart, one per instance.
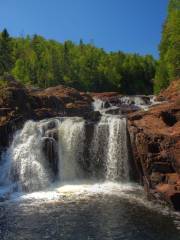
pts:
pixel 155 139
pixel 18 104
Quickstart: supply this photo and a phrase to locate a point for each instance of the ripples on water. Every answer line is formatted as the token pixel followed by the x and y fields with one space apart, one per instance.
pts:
pixel 87 211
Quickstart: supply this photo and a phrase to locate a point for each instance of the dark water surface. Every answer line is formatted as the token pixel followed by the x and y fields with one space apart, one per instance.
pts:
pixel 96 215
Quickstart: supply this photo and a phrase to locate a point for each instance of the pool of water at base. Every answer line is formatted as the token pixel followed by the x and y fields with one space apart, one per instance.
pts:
pixel 104 211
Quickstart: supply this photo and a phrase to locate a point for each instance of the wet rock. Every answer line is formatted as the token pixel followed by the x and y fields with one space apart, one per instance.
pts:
pixel 146 100
pixel 53 133
pixel 125 109
pixel 107 104
pixel 93 116
pixel 114 111
pixel 50 148
pixel 175 201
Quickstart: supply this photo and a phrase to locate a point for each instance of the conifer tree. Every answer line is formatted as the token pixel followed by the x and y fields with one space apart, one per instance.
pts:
pixel 6 52
pixel 169 64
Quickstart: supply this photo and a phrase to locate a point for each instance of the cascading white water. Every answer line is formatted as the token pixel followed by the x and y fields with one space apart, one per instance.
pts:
pixel 142 102
pixel 27 168
pixel 109 145
pixel 24 164
pixel 117 156
pixel 136 100
pixel 31 164
pixel 98 104
pixel 71 146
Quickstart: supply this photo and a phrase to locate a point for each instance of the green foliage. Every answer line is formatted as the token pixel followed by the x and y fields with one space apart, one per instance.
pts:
pixel 44 63
pixel 169 64
pixel 6 54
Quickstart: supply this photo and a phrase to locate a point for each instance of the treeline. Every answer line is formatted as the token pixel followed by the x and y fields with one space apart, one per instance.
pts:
pixel 169 63
pixel 43 63
pixel 36 61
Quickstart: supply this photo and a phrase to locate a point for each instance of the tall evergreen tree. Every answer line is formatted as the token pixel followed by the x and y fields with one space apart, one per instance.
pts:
pixel 6 52
pixel 169 64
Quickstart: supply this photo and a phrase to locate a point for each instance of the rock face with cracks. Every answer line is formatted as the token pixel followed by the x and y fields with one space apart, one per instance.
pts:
pixel 155 141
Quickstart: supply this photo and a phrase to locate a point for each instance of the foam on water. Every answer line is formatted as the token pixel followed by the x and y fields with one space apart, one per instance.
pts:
pixel 77 191
pixel 83 190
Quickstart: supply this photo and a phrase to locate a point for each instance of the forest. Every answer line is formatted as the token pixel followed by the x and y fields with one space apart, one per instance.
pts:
pixel 43 63
pixel 36 61
pixel 168 67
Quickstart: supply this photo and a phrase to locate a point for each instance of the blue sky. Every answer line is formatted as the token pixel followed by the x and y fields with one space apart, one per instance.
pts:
pixel 127 25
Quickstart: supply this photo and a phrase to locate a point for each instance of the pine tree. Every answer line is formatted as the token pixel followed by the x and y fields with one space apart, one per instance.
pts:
pixel 6 52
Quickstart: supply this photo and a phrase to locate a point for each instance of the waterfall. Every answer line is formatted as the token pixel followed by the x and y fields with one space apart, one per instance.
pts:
pixel 98 148
pixel 117 156
pixel 56 150
pixel 71 146
pixel 109 147
pixel 26 162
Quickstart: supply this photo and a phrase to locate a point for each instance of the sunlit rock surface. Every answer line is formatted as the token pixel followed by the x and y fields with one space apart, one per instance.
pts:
pixel 155 139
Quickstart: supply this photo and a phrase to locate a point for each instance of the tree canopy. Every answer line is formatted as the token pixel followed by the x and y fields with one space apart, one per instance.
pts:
pixel 169 63
pixel 33 60
pixel 36 61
